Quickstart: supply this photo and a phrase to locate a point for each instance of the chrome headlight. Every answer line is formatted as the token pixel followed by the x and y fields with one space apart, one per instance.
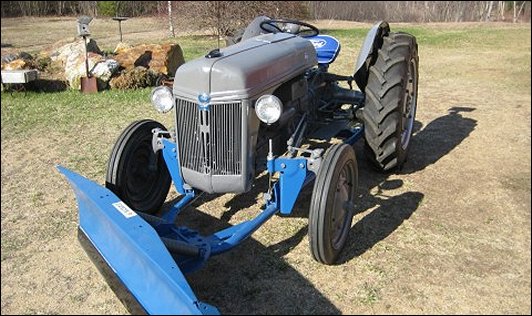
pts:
pixel 269 108
pixel 162 99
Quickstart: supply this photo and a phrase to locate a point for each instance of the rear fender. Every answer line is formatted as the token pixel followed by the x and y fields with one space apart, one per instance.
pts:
pixel 368 52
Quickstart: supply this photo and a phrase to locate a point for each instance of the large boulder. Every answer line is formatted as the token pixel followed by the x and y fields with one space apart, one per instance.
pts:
pixel 165 58
pixel 65 51
pixel 75 67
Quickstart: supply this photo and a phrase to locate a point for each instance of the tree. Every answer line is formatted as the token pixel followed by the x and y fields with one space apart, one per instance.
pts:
pixel 170 23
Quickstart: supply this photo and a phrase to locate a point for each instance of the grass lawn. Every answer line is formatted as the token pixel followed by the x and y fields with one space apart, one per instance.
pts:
pixel 450 234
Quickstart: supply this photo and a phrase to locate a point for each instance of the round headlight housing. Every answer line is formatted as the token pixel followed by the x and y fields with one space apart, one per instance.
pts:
pixel 162 99
pixel 269 108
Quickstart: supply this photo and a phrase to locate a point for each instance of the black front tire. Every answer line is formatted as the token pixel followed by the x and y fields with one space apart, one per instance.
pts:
pixel 391 101
pixel 332 203
pixel 137 175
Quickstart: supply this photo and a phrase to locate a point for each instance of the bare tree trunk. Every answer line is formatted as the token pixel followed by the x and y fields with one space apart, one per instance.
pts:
pixel 501 9
pixel 521 8
pixel 170 23
pixel 515 11
pixel 488 13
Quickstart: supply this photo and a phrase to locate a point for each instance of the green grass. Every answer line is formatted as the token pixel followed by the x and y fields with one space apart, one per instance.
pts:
pixel 475 36
pixel 198 45
pixel 24 113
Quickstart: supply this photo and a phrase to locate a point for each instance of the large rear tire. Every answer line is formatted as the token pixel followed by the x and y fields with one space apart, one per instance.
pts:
pixel 332 203
pixel 391 101
pixel 136 174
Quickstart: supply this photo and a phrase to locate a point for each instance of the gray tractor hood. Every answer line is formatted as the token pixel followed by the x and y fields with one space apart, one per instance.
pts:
pixel 247 68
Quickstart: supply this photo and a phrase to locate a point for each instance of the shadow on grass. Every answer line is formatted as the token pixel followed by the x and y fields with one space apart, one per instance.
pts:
pixel 247 280
pixel 253 279
pixel 429 144
pixel 438 138
pixel 39 85
pixel 49 85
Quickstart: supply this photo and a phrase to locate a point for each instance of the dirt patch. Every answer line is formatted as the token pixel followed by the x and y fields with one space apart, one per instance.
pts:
pixel 448 235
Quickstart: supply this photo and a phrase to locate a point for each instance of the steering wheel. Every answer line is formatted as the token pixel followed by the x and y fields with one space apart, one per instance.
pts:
pixel 289 26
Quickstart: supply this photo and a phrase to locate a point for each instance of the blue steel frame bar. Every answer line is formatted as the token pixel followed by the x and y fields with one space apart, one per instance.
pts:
pixel 136 248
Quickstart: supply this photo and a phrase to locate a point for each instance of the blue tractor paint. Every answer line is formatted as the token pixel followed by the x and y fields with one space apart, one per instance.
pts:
pixel 171 157
pixel 327 48
pixel 293 172
pixel 149 254
pixel 137 247
pixel 134 251
pixel 219 138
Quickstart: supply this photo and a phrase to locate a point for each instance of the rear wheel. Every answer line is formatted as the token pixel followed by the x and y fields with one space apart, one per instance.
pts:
pixel 391 101
pixel 136 174
pixel 332 203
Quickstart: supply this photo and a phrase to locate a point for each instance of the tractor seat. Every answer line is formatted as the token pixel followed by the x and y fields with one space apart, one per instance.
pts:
pixel 327 48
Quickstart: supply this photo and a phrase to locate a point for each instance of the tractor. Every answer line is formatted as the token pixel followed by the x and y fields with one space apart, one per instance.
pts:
pixel 264 104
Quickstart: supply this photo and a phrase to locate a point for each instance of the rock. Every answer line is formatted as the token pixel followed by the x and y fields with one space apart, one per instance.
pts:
pixel 138 77
pixel 75 68
pixel 63 53
pixel 122 47
pixel 103 71
pixel 6 59
pixel 18 61
pixel 163 59
pixel 25 56
pixel 18 64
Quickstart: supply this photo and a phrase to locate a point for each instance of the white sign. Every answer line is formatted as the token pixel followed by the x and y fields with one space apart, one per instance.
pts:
pixel 124 209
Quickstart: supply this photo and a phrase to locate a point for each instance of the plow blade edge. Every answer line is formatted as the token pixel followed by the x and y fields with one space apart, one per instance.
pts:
pixel 132 252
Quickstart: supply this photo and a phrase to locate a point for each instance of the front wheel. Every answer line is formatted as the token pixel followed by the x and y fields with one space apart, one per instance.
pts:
pixel 332 203
pixel 136 174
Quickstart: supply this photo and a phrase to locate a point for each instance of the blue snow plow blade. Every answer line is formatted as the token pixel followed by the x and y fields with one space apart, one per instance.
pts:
pixel 133 251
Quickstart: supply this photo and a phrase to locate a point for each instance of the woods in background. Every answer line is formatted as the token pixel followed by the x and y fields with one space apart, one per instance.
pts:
pixel 227 16
pixel 421 11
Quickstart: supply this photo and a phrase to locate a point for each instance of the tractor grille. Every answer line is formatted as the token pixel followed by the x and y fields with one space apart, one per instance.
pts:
pixel 210 142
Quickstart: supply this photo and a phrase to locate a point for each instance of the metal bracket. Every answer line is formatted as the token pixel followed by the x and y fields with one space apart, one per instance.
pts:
pixel 314 161
pixel 156 140
pixel 292 175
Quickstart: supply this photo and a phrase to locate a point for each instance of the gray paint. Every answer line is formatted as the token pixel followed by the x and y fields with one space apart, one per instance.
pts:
pixel 247 68
pixel 253 29
pixel 368 48
pixel 243 72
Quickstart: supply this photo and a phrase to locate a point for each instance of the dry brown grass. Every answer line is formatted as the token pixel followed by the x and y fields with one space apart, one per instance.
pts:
pixel 451 235
pixel 34 34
